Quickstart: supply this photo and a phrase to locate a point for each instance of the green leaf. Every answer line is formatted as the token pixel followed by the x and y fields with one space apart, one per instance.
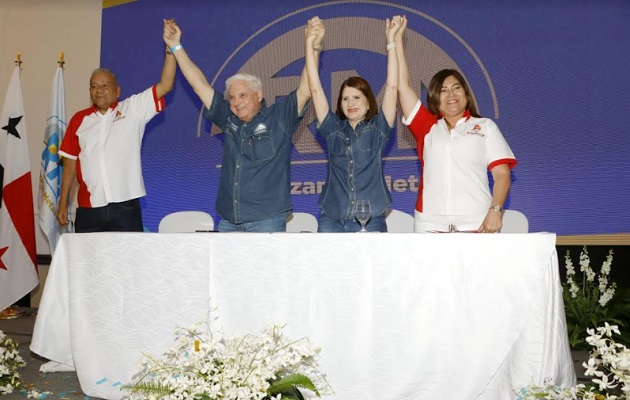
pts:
pixel 290 383
pixel 152 387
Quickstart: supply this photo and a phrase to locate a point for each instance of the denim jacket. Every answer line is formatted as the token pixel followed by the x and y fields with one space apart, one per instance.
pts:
pixel 355 165
pixel 255 182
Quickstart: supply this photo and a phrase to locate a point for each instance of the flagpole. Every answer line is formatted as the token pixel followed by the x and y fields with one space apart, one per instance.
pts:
pixel 68 228
pixel 61 62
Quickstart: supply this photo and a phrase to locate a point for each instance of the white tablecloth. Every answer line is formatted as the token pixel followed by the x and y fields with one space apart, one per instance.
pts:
pixel 398 316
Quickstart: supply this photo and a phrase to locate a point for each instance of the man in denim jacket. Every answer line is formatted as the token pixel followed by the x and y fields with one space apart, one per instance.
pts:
pixel 254 190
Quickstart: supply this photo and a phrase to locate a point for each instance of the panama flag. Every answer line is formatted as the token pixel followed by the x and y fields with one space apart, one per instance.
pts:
pixel 18 265
pixel 50 172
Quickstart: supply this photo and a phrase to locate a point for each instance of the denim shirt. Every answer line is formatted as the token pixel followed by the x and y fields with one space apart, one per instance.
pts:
pixel 355 165
pixel 255 181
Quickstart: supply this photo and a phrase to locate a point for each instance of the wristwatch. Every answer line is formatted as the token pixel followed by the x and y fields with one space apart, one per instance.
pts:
pixel 496 208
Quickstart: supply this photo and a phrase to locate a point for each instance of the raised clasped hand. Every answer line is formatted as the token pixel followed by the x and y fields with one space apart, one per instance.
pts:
pixel 172 33
pixel 392 26
pixel 315 32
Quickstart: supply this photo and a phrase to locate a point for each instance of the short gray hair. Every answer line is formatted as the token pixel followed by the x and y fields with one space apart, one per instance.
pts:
pixel 106 70
pixel 254 82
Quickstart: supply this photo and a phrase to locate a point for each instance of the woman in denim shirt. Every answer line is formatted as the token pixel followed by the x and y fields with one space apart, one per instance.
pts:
pixel 355 137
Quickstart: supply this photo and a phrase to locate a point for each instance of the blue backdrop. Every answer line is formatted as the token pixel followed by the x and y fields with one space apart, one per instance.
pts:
pixel 553 75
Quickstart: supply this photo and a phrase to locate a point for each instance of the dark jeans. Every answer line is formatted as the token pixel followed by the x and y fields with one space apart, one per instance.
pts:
pixel 121 217
pixel 276 223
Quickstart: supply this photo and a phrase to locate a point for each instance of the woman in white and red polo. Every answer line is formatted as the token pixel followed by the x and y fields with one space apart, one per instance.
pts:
pixel 456 148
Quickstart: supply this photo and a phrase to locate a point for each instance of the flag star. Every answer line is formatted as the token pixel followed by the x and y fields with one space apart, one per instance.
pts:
pixel 12 126
pixel 2 251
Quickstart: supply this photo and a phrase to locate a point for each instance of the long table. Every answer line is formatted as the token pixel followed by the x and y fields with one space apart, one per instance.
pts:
pixel 398 316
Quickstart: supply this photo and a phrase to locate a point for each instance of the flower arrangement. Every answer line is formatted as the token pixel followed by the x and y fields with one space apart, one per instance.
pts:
pixel 589 299
pixel 210 367
pixel 609 363
pixel 10 361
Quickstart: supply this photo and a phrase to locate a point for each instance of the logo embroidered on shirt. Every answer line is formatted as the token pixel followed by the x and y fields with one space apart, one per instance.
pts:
pixel 118 116
pixel 260 128
pixel 476 130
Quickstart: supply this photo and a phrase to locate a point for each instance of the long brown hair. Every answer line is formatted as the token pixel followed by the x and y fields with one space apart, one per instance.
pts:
pixel 435 87
pixel 363 86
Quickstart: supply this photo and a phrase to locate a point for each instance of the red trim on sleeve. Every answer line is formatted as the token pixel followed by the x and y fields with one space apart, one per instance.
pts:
pixel 159 103
pixel 511 162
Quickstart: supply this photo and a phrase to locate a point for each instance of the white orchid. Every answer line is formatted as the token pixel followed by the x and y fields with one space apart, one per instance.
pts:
pixel 205 365
pixel 587 296
pixel 609 364
pixel 10 361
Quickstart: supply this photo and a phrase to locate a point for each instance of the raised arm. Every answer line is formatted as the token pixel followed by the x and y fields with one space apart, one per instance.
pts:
pixel 192 73
pixel 303 90
pixel 314 34
pixel 391 85
pixel 167 79
pixel 407 96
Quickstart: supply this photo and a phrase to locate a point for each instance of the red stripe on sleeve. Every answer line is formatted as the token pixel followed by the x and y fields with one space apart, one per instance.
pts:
pixel 511 162
pixel 159 103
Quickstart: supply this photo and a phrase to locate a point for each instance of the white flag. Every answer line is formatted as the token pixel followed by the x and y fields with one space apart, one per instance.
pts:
pixel 18 264
pixel 50 172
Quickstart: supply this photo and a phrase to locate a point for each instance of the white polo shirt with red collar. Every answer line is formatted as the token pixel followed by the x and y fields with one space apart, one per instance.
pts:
pixel 455 163
pixel 107 149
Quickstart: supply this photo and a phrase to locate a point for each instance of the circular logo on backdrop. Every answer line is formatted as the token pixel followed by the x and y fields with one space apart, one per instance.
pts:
pixel 354 44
